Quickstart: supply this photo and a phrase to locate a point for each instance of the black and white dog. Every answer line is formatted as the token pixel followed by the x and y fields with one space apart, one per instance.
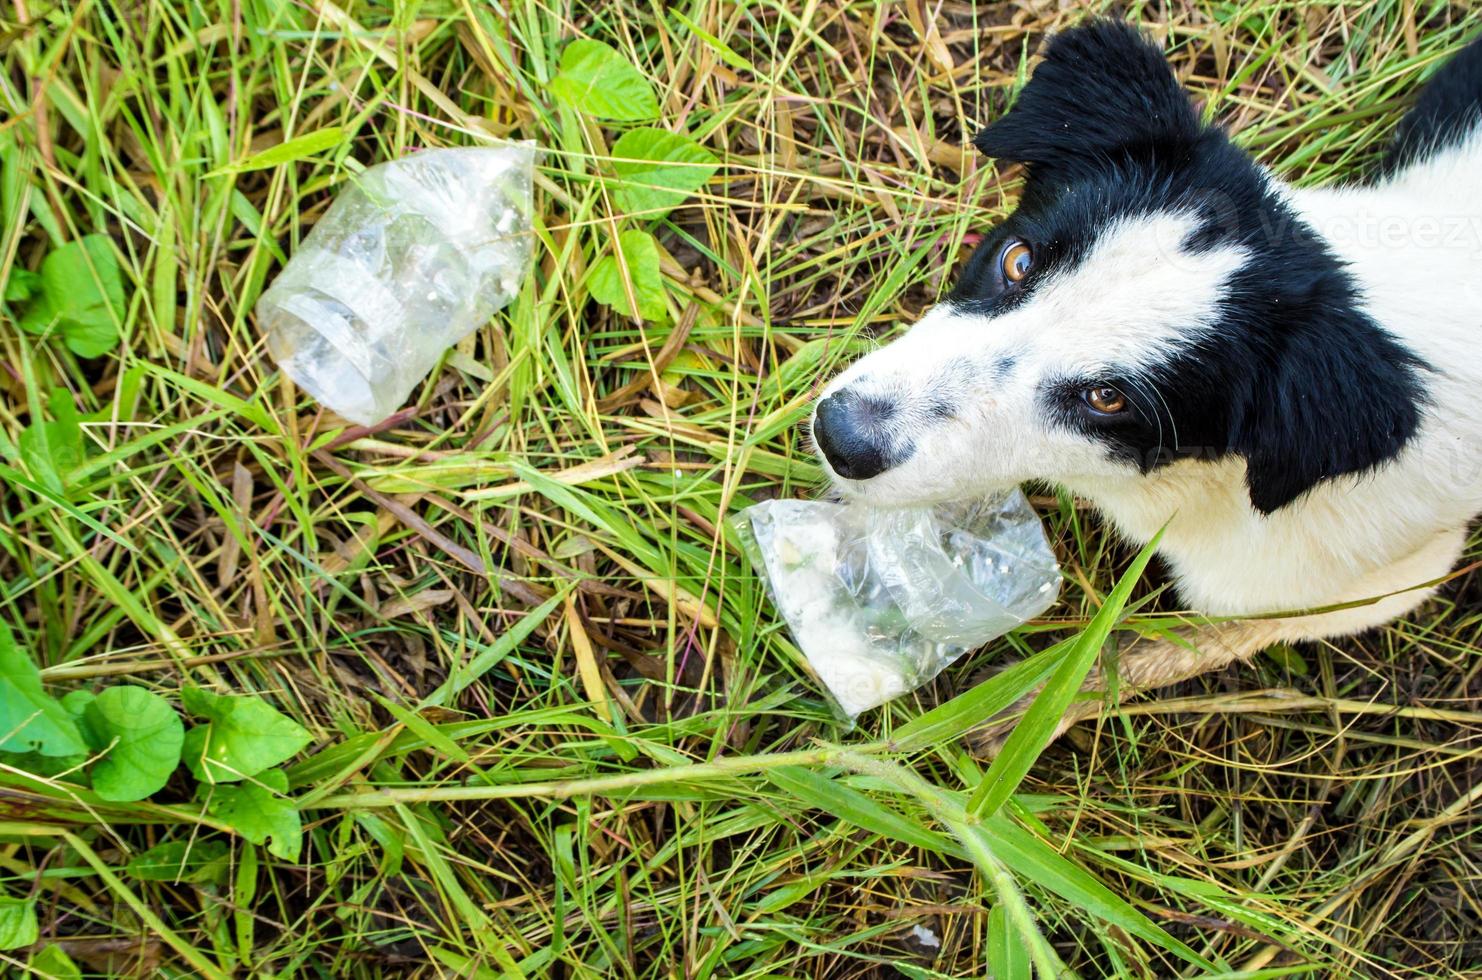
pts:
pixel 1289 379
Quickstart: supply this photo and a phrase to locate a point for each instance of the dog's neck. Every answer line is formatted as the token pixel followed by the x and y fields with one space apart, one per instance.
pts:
pixel 1228 559
pixel 1187 500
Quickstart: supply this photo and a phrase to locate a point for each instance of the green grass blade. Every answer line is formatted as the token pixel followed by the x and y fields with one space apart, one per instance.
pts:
pixel 1035 860
pixel 966 711
pixel 1007 957
pixel 829 795
pixel 1037 727
pixel 486 659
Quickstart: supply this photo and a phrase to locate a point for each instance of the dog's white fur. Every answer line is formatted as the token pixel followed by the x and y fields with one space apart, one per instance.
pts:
pixel 1413 244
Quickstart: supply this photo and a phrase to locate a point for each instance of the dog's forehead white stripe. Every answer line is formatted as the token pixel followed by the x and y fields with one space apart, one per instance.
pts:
pixel 1135 299
pixel 1133 302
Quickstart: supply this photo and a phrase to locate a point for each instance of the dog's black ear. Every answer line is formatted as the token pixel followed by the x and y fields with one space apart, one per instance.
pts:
pixel 1102 91
pixel 1341 396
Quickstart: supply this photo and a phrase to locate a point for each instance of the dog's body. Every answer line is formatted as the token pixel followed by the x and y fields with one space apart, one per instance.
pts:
pixel 1381 530
pixel 1285 380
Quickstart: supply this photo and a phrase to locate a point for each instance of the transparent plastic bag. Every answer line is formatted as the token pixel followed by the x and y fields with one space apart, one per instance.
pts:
pixel 880 601
pixel 410 258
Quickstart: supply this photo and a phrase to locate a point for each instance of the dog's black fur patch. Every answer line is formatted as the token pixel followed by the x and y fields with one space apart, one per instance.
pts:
pixel 1449 108
pixel 1294 377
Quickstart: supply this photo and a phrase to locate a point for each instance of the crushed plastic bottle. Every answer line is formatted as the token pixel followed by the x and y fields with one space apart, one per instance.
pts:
pixel 881 601
pixel 408 260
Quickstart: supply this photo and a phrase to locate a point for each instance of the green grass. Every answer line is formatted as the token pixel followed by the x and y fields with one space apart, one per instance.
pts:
pixel 469 808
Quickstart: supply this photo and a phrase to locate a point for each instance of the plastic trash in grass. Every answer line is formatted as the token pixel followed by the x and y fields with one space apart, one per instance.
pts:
pixel 412 257
pixel 880 601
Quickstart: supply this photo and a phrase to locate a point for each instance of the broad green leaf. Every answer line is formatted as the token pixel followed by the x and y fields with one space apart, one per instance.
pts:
pixel 194 861
pixel 657 170
pixel 76 702
pixel 22 285
pixel 68 767
pixel 82 296
pixel 40 315
pixel 142 737
pixel 597 80
pixel 30 719
pixel 54 766
pixel 243 735
pixel 1037 727
pixel 640 256
pixel 53 963
pixel 257 812
pixel 18 926
pixel 298 148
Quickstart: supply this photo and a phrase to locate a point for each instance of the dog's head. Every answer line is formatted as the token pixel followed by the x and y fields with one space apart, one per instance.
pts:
pixel 1152 299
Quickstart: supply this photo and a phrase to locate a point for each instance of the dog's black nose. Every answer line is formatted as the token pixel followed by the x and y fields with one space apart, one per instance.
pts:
pixel 849 431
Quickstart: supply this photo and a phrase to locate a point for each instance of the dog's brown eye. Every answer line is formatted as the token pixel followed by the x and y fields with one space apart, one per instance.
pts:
pixel 1017 260
pixel 1107 401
